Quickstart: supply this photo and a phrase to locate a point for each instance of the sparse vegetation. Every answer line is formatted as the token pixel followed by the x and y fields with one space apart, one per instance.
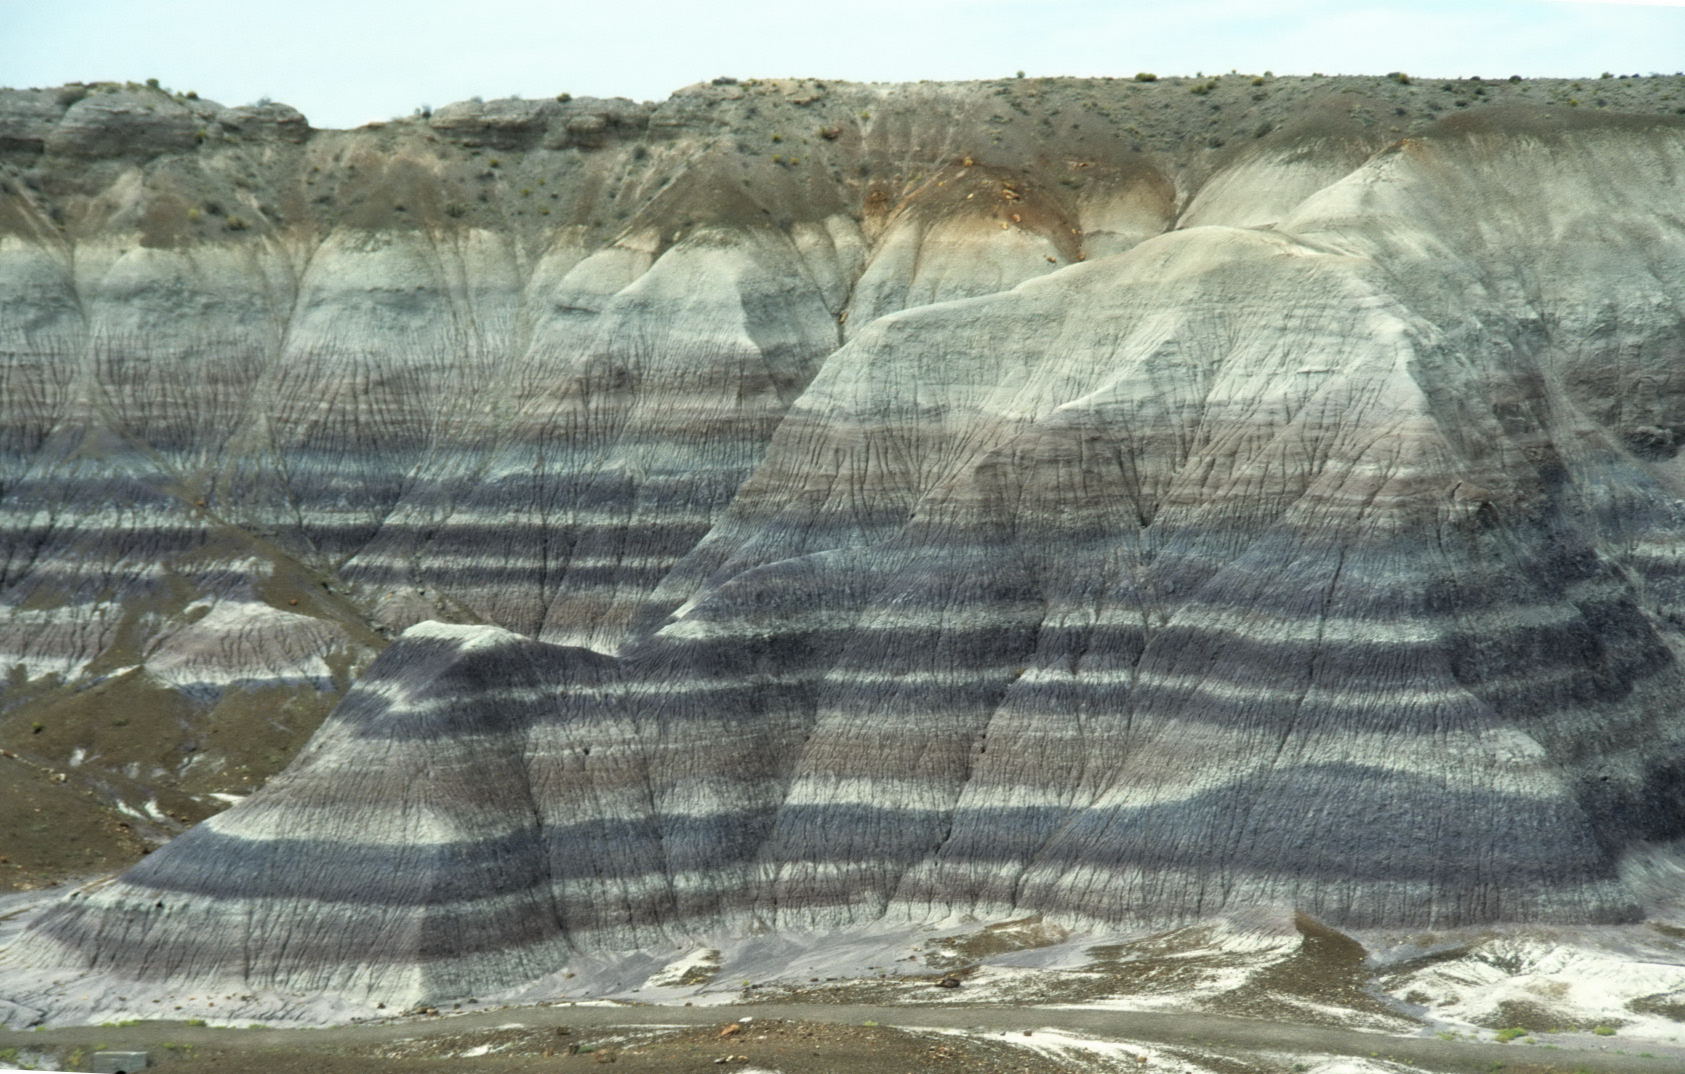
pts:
pixel 1146 76
pixel 1603 1031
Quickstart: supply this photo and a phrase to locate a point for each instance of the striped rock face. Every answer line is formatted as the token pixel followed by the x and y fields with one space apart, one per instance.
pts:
pixel 915 524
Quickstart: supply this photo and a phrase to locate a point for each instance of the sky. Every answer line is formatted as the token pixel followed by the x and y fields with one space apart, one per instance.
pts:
pixel 347 62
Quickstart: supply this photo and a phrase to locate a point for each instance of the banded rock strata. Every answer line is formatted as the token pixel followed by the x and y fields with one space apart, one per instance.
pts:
pixel 978 499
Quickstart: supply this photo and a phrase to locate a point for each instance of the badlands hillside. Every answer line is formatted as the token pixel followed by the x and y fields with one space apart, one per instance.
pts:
pixel 801 505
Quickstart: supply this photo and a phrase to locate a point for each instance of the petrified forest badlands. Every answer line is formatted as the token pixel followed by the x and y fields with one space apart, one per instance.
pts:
pixel 582 526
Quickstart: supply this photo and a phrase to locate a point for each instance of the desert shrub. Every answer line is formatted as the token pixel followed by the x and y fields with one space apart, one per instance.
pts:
pixel 1146 76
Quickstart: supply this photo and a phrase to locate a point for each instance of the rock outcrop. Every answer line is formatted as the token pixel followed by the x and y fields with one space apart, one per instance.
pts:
pixel 859 503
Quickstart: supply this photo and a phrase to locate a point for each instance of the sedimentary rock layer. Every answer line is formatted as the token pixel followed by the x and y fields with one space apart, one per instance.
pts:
pixel 923 518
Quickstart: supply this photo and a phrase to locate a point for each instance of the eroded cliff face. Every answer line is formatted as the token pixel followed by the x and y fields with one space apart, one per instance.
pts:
pixel 1090 498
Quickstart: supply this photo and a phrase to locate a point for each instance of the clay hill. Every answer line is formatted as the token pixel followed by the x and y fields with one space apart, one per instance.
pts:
pixel 800 505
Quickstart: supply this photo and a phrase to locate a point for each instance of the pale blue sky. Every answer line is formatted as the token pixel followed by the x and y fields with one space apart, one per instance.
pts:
pixel 345 62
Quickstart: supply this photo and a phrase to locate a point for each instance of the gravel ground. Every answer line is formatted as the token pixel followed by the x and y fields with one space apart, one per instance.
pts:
pixel 797 1039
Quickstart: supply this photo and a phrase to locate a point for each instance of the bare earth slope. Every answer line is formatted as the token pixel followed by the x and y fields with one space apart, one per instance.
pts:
pixel 802 504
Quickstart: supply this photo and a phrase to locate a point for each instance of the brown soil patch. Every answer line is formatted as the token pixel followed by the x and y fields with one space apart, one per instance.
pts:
pixel 1537 1018
pixel 1667 1005
pixel 1328 970
pixel 53 831
pixel 995 939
